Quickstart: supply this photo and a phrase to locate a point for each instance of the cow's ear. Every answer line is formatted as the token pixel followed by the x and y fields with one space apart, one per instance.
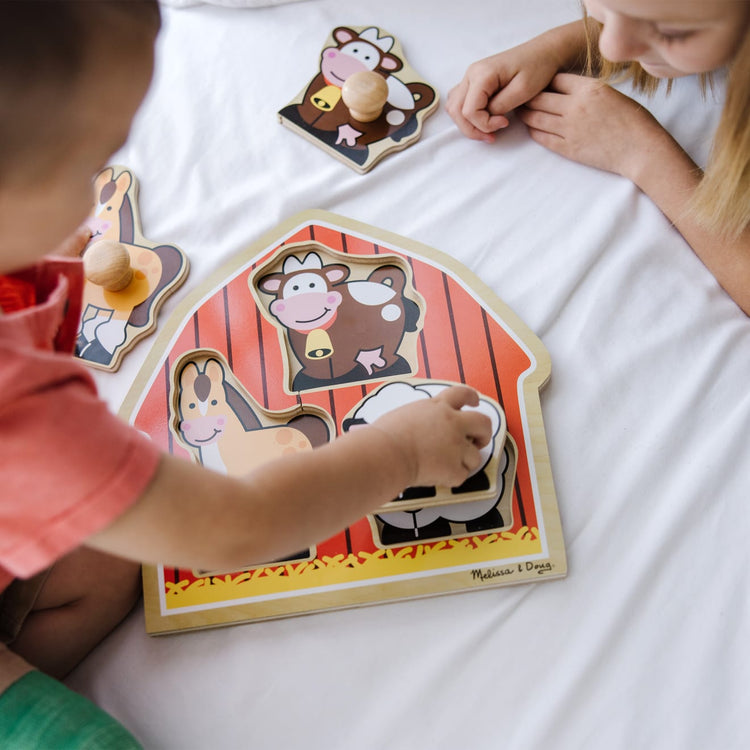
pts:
pixel 343 35
pixel 391 63
pixel 271 283
pixel 336 273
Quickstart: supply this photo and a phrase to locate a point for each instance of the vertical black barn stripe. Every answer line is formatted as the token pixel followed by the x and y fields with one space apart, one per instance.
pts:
pixel 167 390
pixel 227 327
pixel 196 330
pixel 493 361
pixel 423 313
pixel 521 509
pixel 262 355
pixel 456 347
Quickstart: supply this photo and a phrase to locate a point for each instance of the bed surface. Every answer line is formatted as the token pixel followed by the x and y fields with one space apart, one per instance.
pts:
pixel 644 644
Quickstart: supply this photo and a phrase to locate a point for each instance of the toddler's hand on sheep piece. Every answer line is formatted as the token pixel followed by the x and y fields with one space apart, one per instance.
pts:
pixel 440 442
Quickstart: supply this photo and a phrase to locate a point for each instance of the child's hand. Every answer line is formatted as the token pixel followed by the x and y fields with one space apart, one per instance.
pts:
pixel 440 441
pixel 496 85
pixel 589 122
pixel 73 246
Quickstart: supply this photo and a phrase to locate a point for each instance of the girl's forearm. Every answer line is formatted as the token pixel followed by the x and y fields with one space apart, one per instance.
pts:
pixel 664 172
pixel 567 44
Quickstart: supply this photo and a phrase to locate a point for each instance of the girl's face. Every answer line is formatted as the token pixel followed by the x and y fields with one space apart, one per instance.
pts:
pixel 671 38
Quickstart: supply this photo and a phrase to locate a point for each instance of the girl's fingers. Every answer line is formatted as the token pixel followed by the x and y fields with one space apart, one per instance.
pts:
pixel 543 121
pixel 547 102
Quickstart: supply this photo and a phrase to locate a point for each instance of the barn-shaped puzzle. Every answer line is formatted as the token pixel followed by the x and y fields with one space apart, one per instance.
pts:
pixel 249 366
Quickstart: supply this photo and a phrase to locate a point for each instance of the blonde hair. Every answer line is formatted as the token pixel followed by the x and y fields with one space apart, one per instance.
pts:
pixel 721 203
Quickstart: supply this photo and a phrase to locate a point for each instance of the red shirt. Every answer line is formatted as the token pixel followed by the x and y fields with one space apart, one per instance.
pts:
pixel 68 467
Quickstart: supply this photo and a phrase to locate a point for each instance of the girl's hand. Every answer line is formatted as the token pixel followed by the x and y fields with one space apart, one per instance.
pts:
pixel 492 87
pixel 589 122
pixel 439 440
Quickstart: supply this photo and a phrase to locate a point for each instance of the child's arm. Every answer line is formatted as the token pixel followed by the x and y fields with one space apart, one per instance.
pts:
pixel 591 123
pixel 494 86
pixel 190 516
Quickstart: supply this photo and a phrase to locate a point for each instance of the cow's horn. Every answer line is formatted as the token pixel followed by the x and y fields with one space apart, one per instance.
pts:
pixel 371 35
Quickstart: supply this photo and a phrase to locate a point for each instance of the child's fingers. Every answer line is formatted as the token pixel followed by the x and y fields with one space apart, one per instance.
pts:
pixel 548 102
pixel 478 428
pixel 471 461
pixel 72 246
pixel 510 97
pixel 476 109
pixel 459 396
pixel 569 83
pixel 455 108
pixel 542 121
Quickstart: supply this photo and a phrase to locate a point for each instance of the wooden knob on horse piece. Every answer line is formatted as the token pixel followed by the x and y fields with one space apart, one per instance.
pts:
pixel 107 264
pixel 365 94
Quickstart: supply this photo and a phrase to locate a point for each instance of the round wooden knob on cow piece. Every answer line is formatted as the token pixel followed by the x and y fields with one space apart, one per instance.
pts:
pixel 107 264
pixel 365 94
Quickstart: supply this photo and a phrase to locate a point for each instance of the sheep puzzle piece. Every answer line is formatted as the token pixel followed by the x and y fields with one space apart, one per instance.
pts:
pixel 317 329
pixel 127 276
pixel 364 102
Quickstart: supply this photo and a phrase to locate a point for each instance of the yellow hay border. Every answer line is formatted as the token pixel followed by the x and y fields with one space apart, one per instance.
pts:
pixel 342 569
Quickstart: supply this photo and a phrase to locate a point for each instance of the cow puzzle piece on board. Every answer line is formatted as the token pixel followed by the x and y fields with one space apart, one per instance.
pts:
pixel 127 276
pixel 365 100
pixel 341 320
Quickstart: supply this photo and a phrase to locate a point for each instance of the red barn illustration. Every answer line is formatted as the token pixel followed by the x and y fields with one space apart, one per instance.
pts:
pixel 501 358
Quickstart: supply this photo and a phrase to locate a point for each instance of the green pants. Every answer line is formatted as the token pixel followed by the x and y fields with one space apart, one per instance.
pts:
pixel 39 713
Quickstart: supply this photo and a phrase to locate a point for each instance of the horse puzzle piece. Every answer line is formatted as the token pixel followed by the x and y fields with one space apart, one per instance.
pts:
pixel 365 100
pixel 127 276
pixel 225 429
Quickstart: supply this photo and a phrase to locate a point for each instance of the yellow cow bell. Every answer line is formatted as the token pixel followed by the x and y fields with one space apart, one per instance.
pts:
pixel 327 98
pixel 318 344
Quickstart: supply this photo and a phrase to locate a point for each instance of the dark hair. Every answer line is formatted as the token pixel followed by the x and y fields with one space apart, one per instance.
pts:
pixel 45 45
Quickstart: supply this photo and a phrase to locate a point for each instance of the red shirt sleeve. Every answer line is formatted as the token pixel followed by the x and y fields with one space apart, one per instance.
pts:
pixel 68 467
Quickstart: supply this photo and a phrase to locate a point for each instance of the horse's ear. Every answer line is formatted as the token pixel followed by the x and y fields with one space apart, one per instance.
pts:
pixel 102 179
pixel 188 374
pixel 123 182
pixel 214 370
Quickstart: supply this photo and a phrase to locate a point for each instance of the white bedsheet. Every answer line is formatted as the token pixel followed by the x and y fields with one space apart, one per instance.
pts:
pixel 644 644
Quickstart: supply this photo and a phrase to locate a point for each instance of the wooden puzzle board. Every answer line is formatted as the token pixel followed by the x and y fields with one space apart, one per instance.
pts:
pixel 502 359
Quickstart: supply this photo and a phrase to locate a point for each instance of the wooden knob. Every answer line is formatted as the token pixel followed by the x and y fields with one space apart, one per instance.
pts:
pixel 107 264
pixel 365 94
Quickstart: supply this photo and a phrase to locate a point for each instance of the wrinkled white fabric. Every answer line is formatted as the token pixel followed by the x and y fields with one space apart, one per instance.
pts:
pixel 644 644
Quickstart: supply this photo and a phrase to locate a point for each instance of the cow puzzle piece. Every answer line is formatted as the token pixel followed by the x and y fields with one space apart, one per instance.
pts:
pixel 127 276
pixel 341 318
pixel 364 102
